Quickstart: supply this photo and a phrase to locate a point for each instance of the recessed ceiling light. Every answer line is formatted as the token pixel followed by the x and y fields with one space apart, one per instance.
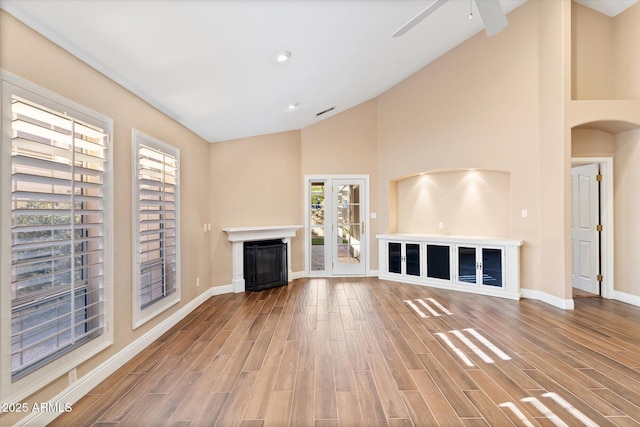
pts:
pixel 294 106
pixel 283 56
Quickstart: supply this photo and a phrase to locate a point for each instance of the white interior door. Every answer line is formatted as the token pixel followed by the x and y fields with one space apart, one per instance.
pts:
pixel 348 228
pixel 584 228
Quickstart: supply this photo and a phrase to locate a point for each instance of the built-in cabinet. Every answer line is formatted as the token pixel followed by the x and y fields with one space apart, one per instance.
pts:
pixel 479 265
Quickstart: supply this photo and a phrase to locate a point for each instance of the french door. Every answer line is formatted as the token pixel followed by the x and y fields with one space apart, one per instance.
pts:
pixel 336 223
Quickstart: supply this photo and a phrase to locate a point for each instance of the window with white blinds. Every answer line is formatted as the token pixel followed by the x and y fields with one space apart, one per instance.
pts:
pixel 156 196
pixel 57 238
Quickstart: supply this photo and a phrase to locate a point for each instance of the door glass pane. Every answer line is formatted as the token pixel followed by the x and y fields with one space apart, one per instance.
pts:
pixel 492 267
pixel 438 262
pixel 467 264
pixel 413 259
pixel 317 248
pixel 348 224
pixel 317 210
pixel 395 257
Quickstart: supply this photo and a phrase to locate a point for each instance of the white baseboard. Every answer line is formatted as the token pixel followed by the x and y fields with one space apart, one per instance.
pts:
pixel 297 275
pixel 80 388
pixel 565 304
pixel 628 298
pixel 219 290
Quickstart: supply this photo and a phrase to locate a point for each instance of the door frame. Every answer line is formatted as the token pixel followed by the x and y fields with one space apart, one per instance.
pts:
pixel 328 179
pixel 585 187
pixel 606 219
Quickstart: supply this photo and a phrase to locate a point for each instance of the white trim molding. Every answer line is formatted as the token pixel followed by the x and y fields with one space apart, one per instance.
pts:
pixel 607 268
pixel 298 275
pixel 161 151
pixel 565 304
pixel 16 391
pixel 627 298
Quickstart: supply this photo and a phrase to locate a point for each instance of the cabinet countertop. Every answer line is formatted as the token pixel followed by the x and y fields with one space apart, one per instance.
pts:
pixel 444 238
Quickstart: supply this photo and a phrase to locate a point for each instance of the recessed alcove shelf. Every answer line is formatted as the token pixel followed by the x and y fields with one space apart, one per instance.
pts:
pixel 467 202
pixel 238 235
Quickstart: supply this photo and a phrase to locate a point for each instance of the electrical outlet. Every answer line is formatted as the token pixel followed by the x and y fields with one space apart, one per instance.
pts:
pixel 197 282
pixel 73 376
pixel 441 225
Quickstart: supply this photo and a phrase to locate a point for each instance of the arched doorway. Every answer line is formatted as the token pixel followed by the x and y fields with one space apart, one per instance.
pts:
pixel 612 149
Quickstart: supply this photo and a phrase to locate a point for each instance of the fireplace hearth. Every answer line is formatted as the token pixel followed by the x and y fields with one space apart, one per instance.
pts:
pixel 265 264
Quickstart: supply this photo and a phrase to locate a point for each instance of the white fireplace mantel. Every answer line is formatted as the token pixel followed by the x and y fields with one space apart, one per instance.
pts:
pixel 238 235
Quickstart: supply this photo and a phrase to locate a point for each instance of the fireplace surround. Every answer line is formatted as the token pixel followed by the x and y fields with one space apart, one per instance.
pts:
pixel 238 235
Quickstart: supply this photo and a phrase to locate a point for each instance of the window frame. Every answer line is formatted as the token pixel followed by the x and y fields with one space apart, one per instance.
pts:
pixel 141 315
pixel 15 389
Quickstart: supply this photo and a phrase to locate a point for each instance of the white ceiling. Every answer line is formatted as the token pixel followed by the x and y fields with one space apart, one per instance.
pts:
pixel 210 64
pixel 608 7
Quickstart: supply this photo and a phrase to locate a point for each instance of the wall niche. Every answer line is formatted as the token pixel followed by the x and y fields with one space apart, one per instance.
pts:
pixel 455 202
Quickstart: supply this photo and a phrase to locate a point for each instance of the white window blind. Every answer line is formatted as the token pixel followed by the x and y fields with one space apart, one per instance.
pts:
pixel 157 219
pixel 57 233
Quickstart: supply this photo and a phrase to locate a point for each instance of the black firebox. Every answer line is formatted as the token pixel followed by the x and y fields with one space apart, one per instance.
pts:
pixel 265 265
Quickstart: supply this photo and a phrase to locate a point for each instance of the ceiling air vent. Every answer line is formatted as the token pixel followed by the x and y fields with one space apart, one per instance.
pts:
pixel 325 111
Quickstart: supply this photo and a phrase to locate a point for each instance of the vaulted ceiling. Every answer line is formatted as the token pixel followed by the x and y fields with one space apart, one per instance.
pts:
pixel 211 65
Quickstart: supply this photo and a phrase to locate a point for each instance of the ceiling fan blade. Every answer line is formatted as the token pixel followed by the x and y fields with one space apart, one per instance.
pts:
pixel 492 16
pixel 418 18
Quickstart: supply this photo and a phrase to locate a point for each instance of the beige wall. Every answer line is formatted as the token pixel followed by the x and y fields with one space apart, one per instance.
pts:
pixel 475 107
pixel 591 143
pixel 32 57
pixel 626 37
pixel 468 203
pixel 260 180
pixel 343 144
pixel 347 143
pixel 605 60
pixel 254 182
pixel 592 54
pixel 554 67
pixel 627 211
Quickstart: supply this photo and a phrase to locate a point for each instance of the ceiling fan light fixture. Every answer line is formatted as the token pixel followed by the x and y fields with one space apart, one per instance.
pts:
pixel 283 56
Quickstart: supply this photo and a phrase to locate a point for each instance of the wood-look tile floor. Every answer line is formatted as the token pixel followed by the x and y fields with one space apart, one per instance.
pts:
pixel 365 352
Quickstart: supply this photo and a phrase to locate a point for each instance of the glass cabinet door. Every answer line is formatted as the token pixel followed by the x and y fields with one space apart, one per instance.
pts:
pixel 439 262
pixel 395 257
pixel 413 259
pixel 467 264
pixel 492 267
